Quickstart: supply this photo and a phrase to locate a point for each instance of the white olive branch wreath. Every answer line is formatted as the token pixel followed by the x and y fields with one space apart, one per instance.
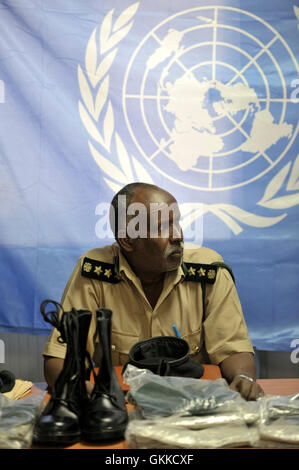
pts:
pixel 95 108
pixel 97 115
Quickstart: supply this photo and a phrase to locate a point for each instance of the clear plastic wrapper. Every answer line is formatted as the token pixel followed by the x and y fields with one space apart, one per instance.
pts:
pixel 165 396
pixel 279 421
pixel 203 421
pixel 238 415
pixel 182 413
pixel 148 434
pixel 176 412
pixel 282 405
pixel 249 410
pixel 283 429
pixel 17 418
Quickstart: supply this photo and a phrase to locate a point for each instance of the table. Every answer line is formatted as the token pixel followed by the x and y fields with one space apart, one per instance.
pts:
pixel 279 386
pixel 211 372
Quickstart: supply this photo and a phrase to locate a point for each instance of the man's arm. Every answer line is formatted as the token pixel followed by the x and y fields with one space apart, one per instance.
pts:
pixel 52 368
pixel 236 366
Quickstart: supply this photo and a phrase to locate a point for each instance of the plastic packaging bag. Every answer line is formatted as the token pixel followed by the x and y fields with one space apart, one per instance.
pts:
pixel 17 418
pixel 165 396
pixel 156 434
pixel 177 413
pixel 236 415
pixel 279 421
pixel 282 405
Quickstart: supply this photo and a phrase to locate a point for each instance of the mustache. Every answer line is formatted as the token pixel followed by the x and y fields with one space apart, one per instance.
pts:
pixel 177 247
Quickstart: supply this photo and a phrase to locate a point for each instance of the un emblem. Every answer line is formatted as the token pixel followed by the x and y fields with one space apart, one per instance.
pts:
pixel 205 102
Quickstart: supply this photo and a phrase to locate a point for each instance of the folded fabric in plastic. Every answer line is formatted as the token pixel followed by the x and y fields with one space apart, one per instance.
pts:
pixel 188 413
pixel 284 429
pixel 17 418
pixel 236 416
pixel 279 420
pixel 164 396
pixel 282 405
pixel 144 434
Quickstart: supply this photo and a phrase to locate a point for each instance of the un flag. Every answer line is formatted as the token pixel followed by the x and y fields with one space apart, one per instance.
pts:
pixel 200 99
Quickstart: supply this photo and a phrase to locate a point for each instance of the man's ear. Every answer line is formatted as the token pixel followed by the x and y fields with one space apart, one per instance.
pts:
pixel 125 242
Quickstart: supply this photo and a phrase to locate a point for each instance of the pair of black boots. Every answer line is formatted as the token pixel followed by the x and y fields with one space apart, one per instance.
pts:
pixel 71 415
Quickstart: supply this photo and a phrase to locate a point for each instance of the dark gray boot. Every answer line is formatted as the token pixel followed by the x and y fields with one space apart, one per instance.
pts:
pixel 105 415
pixel 59 423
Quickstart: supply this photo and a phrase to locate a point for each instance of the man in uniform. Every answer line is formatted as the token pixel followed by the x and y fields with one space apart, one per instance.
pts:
pixel 151 283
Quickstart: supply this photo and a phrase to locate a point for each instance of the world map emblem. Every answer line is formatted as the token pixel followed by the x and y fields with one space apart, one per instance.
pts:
pixel 216 131
pixel 205 102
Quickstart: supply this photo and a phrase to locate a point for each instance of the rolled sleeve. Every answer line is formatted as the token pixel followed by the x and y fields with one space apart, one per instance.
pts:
pixel 53 347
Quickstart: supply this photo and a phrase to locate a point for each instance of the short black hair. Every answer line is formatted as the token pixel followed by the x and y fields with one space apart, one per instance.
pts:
pixel 128 191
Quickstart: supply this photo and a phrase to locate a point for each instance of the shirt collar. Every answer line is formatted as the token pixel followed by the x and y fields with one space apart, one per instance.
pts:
pixel 122 266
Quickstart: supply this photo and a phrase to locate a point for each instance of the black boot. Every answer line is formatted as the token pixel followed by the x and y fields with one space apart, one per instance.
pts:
pixel 105 415
pixel 59 423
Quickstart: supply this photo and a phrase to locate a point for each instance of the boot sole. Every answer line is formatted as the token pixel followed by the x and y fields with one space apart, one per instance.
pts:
pixel 113 434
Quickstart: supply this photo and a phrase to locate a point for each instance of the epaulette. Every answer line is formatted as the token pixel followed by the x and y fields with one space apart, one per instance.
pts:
pixel 199 272
pixel 220 264
pixel 204 272
pixel 101 271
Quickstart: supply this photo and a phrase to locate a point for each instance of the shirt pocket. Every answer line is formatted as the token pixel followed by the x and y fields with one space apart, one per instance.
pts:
pixel 121 343
pixel 196 344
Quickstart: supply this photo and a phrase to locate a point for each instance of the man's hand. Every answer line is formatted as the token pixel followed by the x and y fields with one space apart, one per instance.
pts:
pixel 250 390
pixel 234 368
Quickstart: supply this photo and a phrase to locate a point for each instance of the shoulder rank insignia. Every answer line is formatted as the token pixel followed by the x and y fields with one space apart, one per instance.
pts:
pixel 204 272
pixel 99 270
pixel 199 272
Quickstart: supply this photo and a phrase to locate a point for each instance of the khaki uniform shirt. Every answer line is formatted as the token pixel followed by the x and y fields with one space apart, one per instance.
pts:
pixel 221 333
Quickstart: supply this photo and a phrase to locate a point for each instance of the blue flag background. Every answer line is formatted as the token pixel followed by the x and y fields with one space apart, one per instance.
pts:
pixel 199 97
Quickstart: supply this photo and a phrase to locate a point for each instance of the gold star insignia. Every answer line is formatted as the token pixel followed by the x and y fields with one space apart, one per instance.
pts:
pixel 108 273
pixel 211 274
pixel 201 272
pixel 191 271
pixel 87 267
pixel 98 270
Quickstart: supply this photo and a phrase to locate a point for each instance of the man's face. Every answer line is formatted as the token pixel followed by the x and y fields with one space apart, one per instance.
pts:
pixel 161 247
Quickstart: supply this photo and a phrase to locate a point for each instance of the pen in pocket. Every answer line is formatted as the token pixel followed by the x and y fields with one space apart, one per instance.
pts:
pixel 176 331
